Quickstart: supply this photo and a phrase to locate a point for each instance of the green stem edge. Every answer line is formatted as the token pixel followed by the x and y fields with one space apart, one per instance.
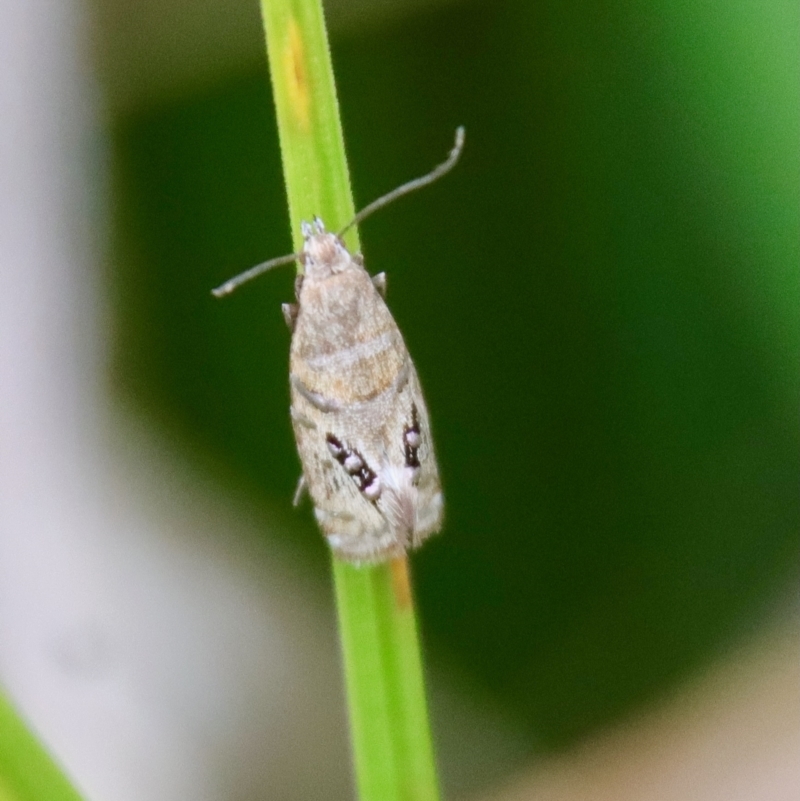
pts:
pixel 391 740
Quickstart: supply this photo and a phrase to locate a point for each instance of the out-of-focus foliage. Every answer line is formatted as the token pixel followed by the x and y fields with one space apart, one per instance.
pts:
pixel 602 302
pixel 27 771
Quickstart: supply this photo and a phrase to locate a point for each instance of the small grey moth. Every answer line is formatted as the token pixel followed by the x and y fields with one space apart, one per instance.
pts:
pixel 359 417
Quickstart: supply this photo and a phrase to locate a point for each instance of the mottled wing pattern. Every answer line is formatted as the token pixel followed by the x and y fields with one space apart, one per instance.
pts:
pixel 360 421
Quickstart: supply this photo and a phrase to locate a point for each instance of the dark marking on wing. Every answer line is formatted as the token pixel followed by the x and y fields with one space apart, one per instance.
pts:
pixel 356 466
pixel 412 439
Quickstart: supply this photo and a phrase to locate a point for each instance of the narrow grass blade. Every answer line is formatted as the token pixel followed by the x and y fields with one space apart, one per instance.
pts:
pixel 391 740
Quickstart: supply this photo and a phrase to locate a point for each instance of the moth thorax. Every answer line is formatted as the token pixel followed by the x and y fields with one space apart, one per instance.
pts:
pixel 323 255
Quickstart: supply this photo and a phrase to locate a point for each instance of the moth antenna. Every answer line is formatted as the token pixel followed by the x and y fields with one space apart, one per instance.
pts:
pixel 412 186
pixel 253 272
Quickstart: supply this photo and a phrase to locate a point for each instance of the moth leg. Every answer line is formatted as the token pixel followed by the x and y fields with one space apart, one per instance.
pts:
pixel 290 311
pixel 314 398
pixel 302 486
pixel 379 282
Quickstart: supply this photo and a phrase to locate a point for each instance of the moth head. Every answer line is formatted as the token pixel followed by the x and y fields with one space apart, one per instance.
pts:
pixel 324 254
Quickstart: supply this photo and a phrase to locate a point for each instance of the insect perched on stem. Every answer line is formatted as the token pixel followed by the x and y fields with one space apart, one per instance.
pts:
pixel 359 418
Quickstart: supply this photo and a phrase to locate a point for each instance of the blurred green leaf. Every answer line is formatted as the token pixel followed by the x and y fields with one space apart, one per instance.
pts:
pixel 27 771
pixel 602 302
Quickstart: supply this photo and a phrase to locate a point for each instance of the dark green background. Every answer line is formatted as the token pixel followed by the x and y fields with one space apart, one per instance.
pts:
pixel 602 302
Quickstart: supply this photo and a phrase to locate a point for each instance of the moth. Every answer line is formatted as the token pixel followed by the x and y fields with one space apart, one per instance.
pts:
pixel 359 417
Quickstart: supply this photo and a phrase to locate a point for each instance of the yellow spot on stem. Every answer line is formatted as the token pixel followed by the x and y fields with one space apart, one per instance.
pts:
pixel 401 582
pixel 296 74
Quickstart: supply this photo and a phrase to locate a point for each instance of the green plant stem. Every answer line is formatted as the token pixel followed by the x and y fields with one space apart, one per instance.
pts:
pixel 391 740
pixel 385 686
pixel 27 772
pixel 312 147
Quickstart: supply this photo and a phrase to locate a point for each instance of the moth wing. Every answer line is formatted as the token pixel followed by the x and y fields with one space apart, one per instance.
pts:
pixel 355 528
pixel 429 499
